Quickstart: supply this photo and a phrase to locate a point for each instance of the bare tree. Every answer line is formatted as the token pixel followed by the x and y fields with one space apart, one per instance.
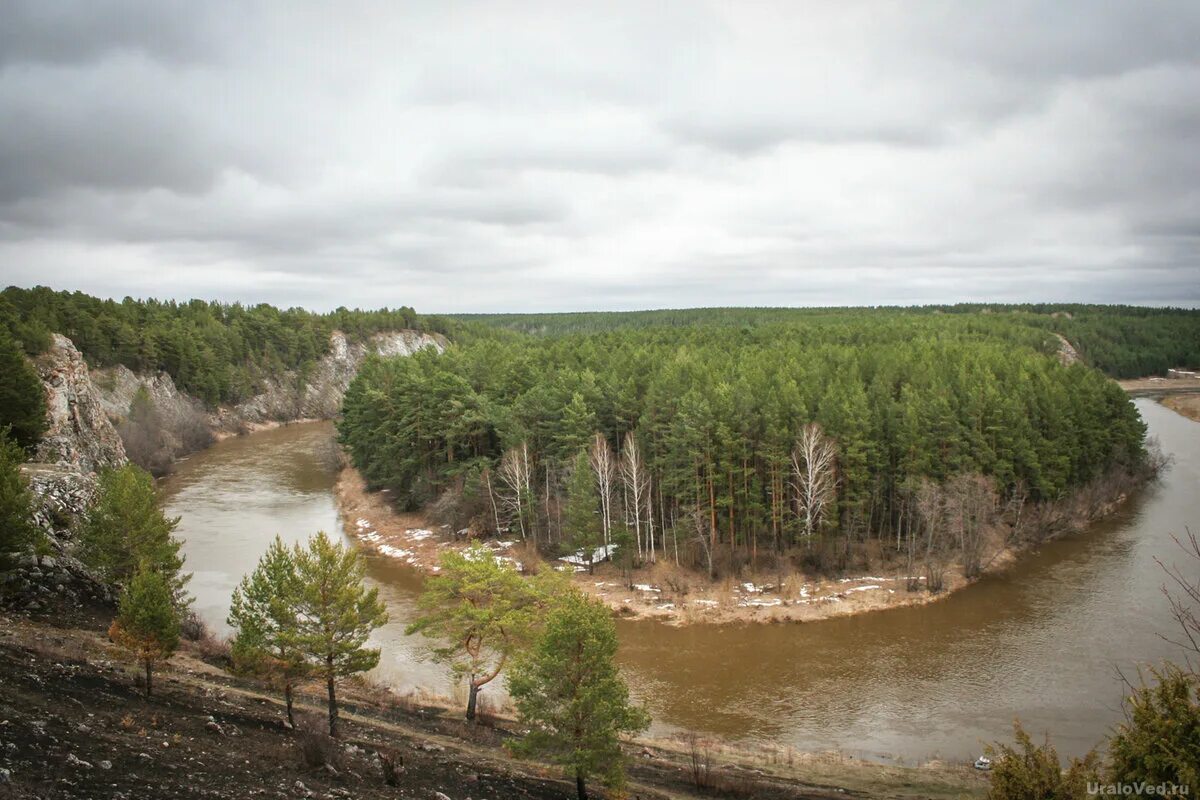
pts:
pixel 1185 603
pixel 633 473
pixel 971 503
pixel 515 474
pixel 931 506
pixel 1014 510
pixel 814 476
pixel 700 526
pixel 600 457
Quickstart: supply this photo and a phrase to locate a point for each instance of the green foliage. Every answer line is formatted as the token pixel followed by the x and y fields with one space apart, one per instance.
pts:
pixel 22 399
pixel 1122 341
pixel 147 623
pixel 216 351
pixel 334 613
pixel 716 409
pixel 581 519
pixel 18 533
pixel 1026 771
pixel 125 531
pixel 1160 740
pixel 477 613
pixel 264 615
pixel 570 694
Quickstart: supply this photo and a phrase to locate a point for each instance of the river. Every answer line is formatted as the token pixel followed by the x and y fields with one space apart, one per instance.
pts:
pixel 1044 641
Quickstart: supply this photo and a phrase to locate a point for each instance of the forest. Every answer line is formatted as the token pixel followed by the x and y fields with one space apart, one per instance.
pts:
pixel 743 436
pixel 1121 341
pixel 215 351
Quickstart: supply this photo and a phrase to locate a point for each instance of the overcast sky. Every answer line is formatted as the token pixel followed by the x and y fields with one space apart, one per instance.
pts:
pixel 485 156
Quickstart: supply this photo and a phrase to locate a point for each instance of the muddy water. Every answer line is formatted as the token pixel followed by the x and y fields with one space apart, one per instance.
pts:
pixel 1043 642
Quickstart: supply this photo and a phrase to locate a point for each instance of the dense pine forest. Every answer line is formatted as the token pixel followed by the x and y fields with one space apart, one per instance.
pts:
pixel 740 432
pixel 1121 341
pixel 216 351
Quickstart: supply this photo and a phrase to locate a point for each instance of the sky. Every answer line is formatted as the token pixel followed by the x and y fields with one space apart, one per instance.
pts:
pixel 497 156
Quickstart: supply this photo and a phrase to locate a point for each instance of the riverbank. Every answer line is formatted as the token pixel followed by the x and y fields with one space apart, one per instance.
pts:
pixel 1181 395
pixel 75 720
pixel 1186 404
pixel 666 593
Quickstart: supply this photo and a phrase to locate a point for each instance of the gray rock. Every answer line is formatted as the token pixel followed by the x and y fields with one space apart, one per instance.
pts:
pixel 78 430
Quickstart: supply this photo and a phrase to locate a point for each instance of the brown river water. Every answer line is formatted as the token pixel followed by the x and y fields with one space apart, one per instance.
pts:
pixel 1043 641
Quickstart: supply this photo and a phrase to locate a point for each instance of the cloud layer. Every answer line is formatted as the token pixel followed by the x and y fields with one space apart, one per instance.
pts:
pixel 540 156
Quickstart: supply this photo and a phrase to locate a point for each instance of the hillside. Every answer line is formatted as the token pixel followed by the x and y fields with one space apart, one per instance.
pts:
pixel 75 725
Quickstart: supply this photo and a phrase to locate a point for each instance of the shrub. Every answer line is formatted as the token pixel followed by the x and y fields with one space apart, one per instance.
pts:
pixel 1033 772
pixel 317 748
pixel 1160 741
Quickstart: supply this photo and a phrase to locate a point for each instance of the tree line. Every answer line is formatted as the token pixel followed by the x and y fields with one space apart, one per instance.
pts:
pixel 715 443
pixel 1121 341
pixel 219 352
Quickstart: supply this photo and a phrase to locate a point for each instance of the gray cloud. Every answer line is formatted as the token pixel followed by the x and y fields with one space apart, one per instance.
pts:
pixel 81 31
pixel 542 155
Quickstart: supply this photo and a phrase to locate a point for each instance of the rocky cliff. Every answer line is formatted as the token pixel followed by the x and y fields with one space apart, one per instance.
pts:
pixel 84 408
pixel 78 432
pixel 315 393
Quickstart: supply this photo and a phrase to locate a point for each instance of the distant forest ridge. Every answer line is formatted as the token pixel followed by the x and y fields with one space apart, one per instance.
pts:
pixel 1122 341
pixel 219 352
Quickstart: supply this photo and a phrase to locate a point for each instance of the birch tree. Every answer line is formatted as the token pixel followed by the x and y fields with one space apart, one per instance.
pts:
pixel 515 473
pixel 814 475
pixel 600 457
pixel 636 480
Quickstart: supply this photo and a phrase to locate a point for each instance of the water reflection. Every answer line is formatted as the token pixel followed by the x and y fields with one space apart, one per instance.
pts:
pixel 1043 641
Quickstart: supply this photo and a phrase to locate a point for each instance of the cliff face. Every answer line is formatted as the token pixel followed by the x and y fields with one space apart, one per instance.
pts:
pixel 85 407
pixel 79 433
pixel 317 393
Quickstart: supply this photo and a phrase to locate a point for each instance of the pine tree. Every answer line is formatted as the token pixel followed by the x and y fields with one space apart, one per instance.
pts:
pixel 126 530
pixel 17 530
pixel 264 616
pixel 569 693
pixel 581 517
pixel 1160 740
pixel 335 614
pixel 1032 772
pixel 147 623
pixel 22 398
pixel 478 613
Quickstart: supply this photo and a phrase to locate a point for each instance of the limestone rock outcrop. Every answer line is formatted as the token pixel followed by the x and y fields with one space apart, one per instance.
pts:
pixel 78 431
pixel 317 393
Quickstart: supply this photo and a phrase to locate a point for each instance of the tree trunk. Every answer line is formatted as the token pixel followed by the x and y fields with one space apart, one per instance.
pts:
pixel 472 699
pixel 333 709
pixel 580 790
pixel 148 678
pixel 287 697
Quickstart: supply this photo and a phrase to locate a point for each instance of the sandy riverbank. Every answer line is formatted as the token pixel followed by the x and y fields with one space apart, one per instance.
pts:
pixel 1181 395
pixel 662 592
pixel 1186 404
